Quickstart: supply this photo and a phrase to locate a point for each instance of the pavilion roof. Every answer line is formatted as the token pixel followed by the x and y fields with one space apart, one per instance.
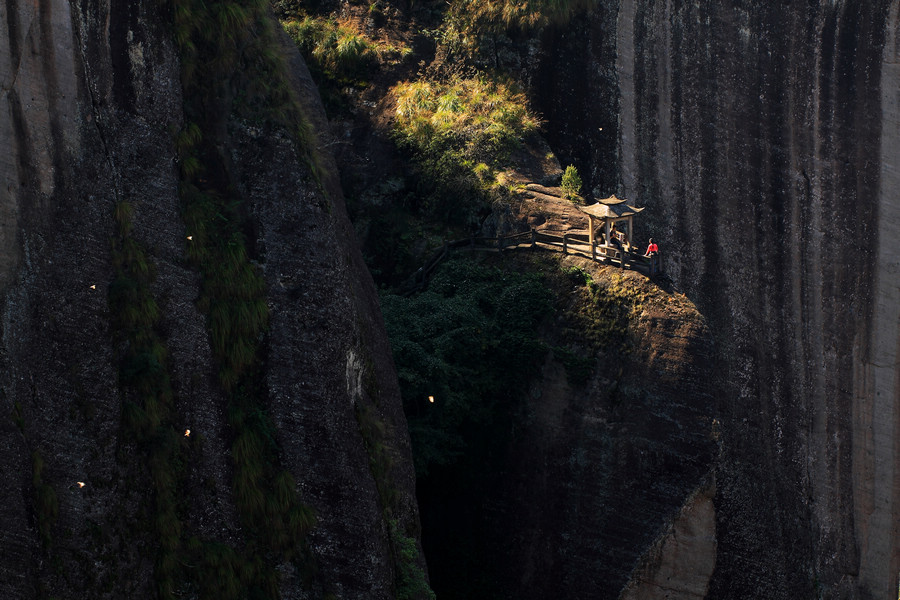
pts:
pixel 611 208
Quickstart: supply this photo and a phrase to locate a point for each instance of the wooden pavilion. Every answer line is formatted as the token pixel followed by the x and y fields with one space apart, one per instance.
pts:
pixel 608 212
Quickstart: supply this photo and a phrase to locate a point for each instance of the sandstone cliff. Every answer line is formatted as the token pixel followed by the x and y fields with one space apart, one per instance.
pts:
pixel 92 95
pixel 762 138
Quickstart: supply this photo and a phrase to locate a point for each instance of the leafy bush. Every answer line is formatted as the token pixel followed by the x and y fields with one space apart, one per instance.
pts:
pixel 571 183
pixel 411 583
pixel 578 275
pixel 466 341
pixel 475 115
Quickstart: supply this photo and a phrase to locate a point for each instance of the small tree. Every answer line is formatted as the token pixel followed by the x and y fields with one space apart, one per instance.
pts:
pixel 571 183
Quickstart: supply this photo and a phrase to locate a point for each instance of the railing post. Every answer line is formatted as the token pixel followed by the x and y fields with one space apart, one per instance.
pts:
pixel 533 238
pixel 500 244
pixel 565 243
pixel 593 250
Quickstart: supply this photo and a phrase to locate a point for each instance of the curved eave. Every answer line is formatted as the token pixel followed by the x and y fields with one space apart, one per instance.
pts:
pixel 615 211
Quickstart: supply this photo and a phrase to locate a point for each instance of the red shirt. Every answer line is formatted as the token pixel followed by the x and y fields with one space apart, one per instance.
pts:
pixel 652 248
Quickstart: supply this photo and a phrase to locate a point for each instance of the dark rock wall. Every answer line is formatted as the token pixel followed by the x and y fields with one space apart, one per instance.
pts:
pixel 91 100
pixel 601 468
pixel 762 138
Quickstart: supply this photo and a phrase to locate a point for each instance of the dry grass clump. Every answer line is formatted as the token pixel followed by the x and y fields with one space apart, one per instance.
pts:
pixel 461 133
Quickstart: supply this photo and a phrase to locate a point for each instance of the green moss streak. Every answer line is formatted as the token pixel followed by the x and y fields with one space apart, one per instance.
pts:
pixel 147 391
pixel 231 69
pixel 410 582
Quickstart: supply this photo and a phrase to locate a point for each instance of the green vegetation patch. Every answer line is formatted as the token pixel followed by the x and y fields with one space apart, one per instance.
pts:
pixel 410 582
pixel 598 318
pixel 571 184
pixel 468 24
pixel 233 296
pixel 487 15
pixel 336 50
pixel 460 133
pixel 232 65
pixel 468 342
pixel 339 54
pixel 233 69
pixel 147 391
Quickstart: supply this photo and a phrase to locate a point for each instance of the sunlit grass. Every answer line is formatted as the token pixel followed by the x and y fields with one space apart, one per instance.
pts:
pixel 521 14
pixel 461 133
pixel 464 112
pixel 338 48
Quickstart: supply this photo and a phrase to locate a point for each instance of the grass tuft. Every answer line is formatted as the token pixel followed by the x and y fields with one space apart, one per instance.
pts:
pixel 460 133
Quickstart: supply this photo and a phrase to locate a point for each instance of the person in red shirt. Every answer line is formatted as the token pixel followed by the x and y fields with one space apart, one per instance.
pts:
pixel 652 249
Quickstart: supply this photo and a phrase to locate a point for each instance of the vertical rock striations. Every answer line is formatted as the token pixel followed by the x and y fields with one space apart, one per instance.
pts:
pixel 876 439
pixel 90 194
pixel 762 139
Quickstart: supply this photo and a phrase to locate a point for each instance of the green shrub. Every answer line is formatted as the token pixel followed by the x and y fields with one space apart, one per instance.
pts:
pixel 571 183
pixel 410 580
pixel 471 27
pixel 578 275
pixel 484 16
pixel 465 341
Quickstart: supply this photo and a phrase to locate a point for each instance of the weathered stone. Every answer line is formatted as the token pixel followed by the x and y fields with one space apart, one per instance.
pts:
pixel 92 92
pixel 681 562
pixel 759 137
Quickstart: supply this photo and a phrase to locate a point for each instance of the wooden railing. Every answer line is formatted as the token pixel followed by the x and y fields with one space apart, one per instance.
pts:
pixel 568 243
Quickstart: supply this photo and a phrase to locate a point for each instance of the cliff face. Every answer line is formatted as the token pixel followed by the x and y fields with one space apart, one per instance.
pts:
pixel 613 436
pixel 762 138
pixel 92 100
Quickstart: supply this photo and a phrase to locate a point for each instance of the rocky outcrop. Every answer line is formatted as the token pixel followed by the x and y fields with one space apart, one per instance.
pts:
pixel 92 99
pixel 616 432
pixel 761 138
pixel 680 565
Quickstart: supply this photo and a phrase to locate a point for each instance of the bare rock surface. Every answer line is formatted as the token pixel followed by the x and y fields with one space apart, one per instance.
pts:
pixel 92 99
pixel 760 138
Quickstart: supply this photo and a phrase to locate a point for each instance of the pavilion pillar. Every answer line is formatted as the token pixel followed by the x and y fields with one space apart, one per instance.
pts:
pixel 630 239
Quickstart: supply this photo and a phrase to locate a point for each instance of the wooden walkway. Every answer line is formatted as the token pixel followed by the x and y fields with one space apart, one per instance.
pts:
pixel 567 243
